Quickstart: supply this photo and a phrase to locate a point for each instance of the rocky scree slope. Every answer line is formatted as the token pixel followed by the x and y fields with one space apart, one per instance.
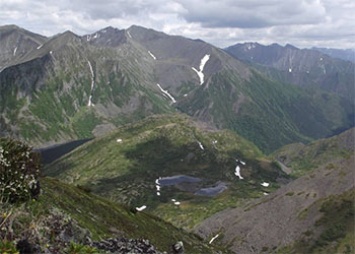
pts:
pixel 312 214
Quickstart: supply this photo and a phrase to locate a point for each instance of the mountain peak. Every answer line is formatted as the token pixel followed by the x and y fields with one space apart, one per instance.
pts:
pixel 108 37
pixel 9 27
pixel 290 46
pixel 144 34
pixel 14 28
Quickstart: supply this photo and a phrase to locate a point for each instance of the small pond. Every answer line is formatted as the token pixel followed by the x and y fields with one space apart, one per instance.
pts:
pixel 212 191
pixel 178 179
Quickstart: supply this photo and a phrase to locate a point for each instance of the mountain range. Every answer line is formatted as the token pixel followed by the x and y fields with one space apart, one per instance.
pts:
pixel 145 135
pixel 344 54
pixel 96 82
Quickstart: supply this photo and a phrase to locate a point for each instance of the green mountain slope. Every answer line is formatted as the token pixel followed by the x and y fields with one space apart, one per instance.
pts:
pixel 94 83
pixel 126 164
pixel 312 214
pixel 268 113
pixel 64 213
pixel 302 158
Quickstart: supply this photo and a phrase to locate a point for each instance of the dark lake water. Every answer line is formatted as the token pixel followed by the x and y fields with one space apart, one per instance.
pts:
pixel 54 152
pixel 212 191
pixel 173 180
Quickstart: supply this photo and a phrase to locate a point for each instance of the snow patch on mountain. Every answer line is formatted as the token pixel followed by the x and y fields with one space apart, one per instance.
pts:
pixel 202 66
pixel 153 56
pixel 139 209
pixel 265 184
pixel 200 145
pixel 15 51
pixel 92 84
pixel 157 186
pixel 213 238
pixel 167 93
pixel 237 172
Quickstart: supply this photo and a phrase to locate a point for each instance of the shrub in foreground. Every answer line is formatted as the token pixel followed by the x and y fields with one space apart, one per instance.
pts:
pixel 19 171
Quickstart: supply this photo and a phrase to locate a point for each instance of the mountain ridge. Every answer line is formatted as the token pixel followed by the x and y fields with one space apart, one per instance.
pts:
pixel 301 67
pixel 137 72
pixel 302 225
pixel 134 157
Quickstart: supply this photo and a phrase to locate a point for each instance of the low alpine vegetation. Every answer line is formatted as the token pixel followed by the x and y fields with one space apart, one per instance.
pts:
pixel 19 172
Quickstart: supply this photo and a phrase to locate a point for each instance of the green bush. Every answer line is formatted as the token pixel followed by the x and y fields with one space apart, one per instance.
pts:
pixel 75 248
pixel 19 171
pixel 7 247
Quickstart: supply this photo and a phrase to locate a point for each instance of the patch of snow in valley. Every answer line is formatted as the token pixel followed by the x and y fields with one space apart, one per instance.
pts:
pixel 139 209
pixel 175 201
pixel 51 52
pixel 92 84
pixel 15 51
pixel 185 95
pixel 153 56
pixel 119 140
pixel 167 93
pixel 40 46
pixel 265 193
pixel 243 163
pixel 129 35
pixel 200 145
pixel 265 184
pixel 157 186
pixel 202 66
pixel 237 172
pixel 289 69
pixel 213 238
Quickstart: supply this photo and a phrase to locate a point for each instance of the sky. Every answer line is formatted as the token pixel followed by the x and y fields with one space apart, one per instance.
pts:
pixel 302 23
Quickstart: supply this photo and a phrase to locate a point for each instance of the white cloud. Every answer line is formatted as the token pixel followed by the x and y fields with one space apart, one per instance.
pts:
pixel 303 23
pixel 253 13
